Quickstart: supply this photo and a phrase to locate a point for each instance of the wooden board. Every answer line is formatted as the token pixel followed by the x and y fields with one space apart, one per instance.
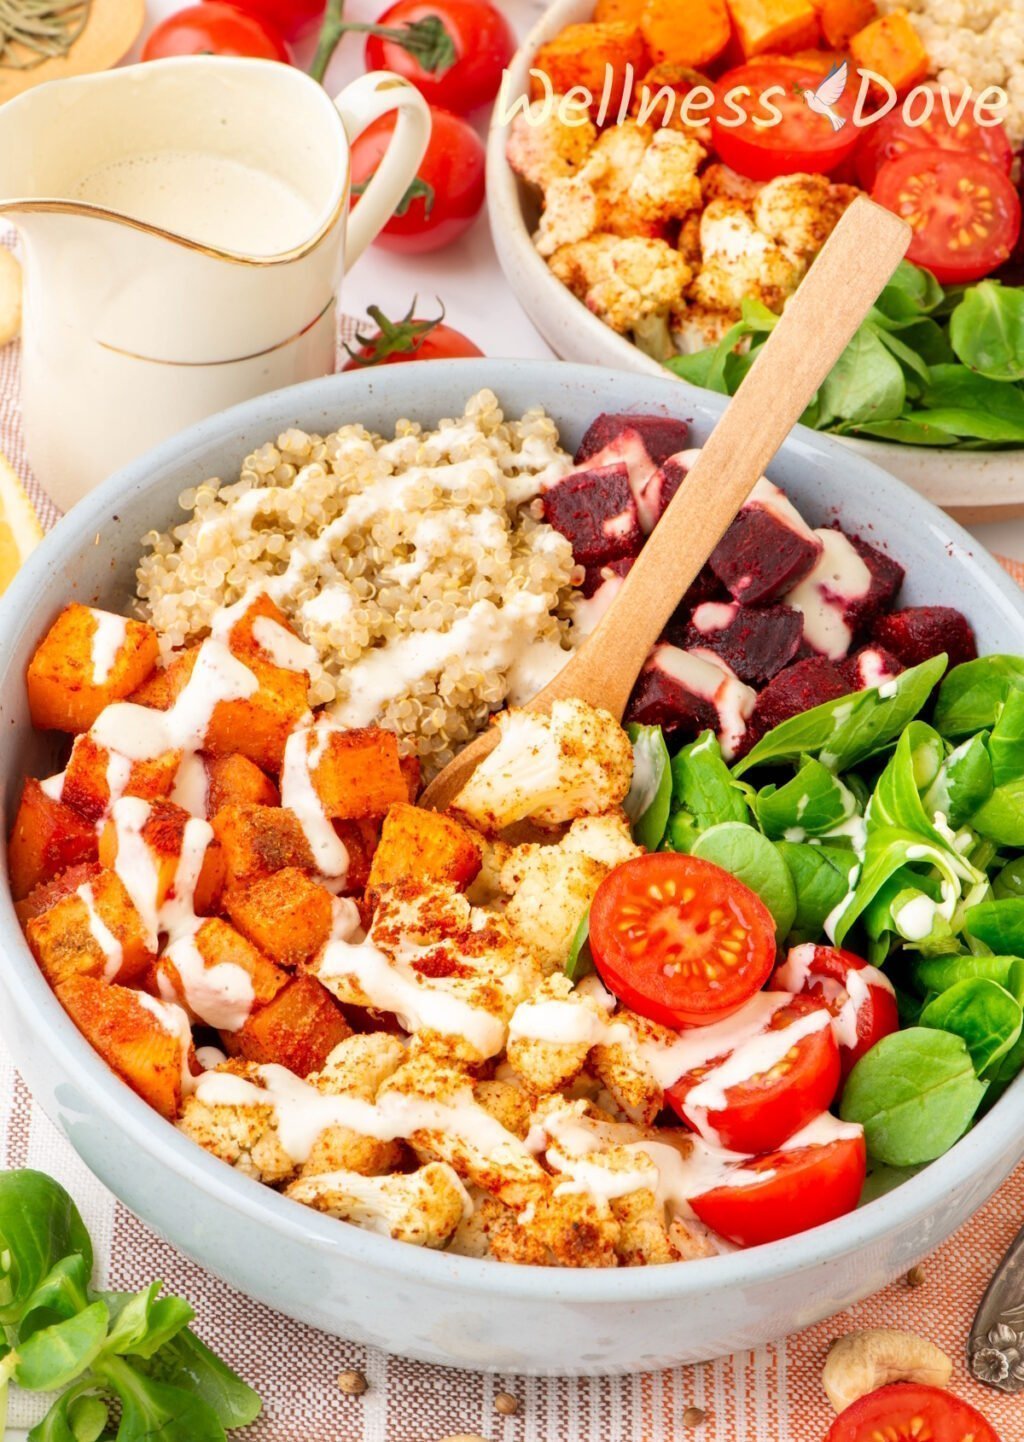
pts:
pixel 113 28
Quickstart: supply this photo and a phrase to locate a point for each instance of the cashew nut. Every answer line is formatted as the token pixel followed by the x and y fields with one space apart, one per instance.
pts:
pixel 862 1361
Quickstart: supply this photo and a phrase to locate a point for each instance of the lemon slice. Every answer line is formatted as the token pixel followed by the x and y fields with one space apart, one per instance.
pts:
pixel 20 531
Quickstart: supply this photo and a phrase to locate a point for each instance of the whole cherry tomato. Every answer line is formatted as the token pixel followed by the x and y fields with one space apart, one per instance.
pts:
pixel 455 52
pixel 749 137
pixel 215 29
pixel 290 18
pixel 446 196
pixel 408 339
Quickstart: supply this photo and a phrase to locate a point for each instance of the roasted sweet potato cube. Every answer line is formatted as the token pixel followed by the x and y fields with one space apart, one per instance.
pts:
pixel 93 931
pixel 218 944
pixel 418 844
pixel 359 774
pixel 361 839
pixel 163 687
pixel 47 838
pixel 259 840
pixel 298 1029
pixel 235 780
pixel 130 1035
pixel 413 773
pixel 87 659
pixel 89 771
pixel 591 55
pixel 259 725
pixel 163 832
pixel 287 915
pixel 776 25
pixel 892 48
pixel 48 893
pixel 258 631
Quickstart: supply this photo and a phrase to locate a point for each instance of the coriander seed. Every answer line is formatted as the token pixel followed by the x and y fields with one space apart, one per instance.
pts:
pixel 352 1383
pixel 506 1404
pixel 694 1416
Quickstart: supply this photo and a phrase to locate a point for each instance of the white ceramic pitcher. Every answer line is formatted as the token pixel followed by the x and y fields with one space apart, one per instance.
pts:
pixel 135 324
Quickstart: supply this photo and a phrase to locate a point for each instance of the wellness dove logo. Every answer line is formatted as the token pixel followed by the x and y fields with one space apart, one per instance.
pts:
pixel 827 95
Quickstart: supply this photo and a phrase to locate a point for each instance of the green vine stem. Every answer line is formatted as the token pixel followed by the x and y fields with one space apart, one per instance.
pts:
pixel 427 40
pixel 34 31
pixel 331 31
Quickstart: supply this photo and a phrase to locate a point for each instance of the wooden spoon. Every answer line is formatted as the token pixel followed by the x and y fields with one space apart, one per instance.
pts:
pixel 838 291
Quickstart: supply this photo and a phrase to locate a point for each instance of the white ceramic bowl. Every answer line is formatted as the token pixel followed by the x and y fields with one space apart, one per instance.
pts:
pixel 426 1304
pixel 975 485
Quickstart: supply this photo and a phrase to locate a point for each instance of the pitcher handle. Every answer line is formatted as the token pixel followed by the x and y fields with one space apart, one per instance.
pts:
pixel 359 105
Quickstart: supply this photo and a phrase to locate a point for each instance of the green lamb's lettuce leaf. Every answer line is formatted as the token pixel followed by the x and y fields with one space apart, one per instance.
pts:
pixel 39 1227
pixel 890 849
pixel 579 963
pixel 1009 882
pixel 938 973
pixel 189 1364
pixel 814 803
pixel 1006 743
pixel 746 854
pixel 964 782
pixel 54 1356
pixel 983 1013
pixel 972 696
pixel 914 1093
pixel 650 793
pixel 999 925
pixel 822 876
pixel 704 793
pixel 1001 817
pixel 987 330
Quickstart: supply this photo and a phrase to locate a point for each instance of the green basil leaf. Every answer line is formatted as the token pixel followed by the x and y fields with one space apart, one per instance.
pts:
pixel 983 1013
pixel 55 1356
pixel 822 877
pixel 39 1226
pixel 579 962
pixel 189 1364
pixel 752 859
pixel 914 1093
pixel 972 696
pixel 987 330
pixel 650 792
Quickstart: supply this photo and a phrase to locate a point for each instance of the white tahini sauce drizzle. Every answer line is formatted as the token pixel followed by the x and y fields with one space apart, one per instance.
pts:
pixel 284 648
pixel 102 935
pixel 174 1020
pixel 107 640
pixel 53 786
pixel 303 752
pixel 220 995
pixel 706 675
pixel 191 785
pixel 839 577
pixel 852 993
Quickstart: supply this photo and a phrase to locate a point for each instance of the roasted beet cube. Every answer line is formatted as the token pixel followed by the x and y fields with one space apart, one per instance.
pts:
pixel 654 499
pixel 886 580
pixel 687 692
pixel 596 510
pixel 661 436
pixel 767 550
pixel 755 644
pixel 597 576
pixel 915 634
pixel 839 594
pixel 870 666
pixel 799 687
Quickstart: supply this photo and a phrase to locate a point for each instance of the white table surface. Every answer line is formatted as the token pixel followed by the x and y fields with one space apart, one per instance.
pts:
pixel 466 276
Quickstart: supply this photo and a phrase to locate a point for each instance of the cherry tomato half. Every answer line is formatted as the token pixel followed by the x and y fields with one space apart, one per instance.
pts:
pixel 893 136
pixel 408 339
pixel 802 1188
pixel 859 996
pixel 446 196
pixel 215 29
pixel 762 146
pixel 909 1412
pixel 481 38
pixel 679 940
pixel 964 212
pixel 290 18
pixel 769 1106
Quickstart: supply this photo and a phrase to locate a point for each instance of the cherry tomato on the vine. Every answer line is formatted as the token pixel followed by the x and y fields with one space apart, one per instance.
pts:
pixel 447 194
pixel 213 28
pixel 472 44
pixel 679 940
pixel 290 18
pixel 408 339
pixel 910 1412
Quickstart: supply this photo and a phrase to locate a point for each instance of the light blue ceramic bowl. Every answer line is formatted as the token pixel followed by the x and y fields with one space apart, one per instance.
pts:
pixel 423 1304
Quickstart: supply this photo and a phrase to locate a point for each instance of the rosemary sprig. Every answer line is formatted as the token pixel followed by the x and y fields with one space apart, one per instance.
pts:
pixel 34 31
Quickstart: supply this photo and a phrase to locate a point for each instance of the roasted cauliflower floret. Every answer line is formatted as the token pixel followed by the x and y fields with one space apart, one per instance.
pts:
pixel 645 1238
pixel 542 148
pixel 227 1117
pixel 633 285
pixel 665 187
pixel 568 1019
pixel 620 1063
pixel 357 1067
pixel 800 212
pixel 423 1207
pixel 577 761
pixel 741 262
pixel 551 886
pixel 450 972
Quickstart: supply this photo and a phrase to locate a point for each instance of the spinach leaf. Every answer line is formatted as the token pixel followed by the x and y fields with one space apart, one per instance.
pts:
pixel 964 781
pixel 865 384
pixel 914 1093
pixel 822 877
pixel 703 785
pixel 939 973
pixel 983 1013
pixel 650 792
pixel 844 732
pixel 987 330
pixel 39 1226
pixel 1006 743
pixel 579 962
pixel 812 804
pixel 999 925
pixel 192 1367
pixel 1001 817
pixel 972 696
pixel 910 430
pixel 1010 881
pixel 752 858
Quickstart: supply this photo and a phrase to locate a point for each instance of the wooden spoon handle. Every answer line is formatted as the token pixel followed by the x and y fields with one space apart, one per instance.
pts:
pixel 813 331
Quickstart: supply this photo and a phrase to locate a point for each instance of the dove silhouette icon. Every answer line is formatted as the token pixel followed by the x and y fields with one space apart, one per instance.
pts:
pixel 823 98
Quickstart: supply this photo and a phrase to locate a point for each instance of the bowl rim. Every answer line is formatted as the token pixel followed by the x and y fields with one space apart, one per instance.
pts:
pixel 521 264
pixel 997 1141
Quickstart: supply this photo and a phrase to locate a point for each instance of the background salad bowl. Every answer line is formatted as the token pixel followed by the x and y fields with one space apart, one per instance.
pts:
pixel 975 486
pixel 423 1304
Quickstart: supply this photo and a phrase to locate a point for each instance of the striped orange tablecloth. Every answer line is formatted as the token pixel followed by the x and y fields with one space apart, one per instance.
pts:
pixel 771 1395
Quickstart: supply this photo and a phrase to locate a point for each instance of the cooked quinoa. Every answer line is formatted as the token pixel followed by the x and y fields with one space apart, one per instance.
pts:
pixel 976 43
pixel 412 566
